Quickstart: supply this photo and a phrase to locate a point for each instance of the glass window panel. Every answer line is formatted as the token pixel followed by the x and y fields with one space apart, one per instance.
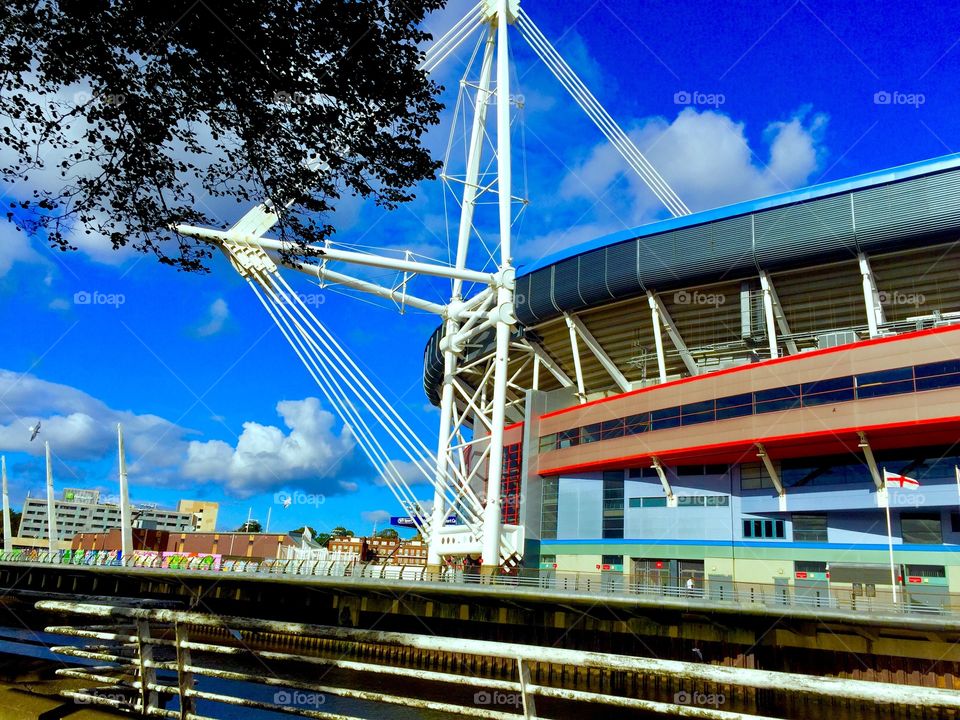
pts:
pixel 758 528
pixel 942 367
pixel 936 382
pixel 655 502
pixel 666 418
pixel 636 424
pixel 610 429
pixel 747 529
pixel 885 382
pixel 568 438
pixel 778 529
pixel 548 442
pixel 768 528
pixel 831 384
pixel 589 433
pixel 636 502
pixel 828 398
pixel 921 529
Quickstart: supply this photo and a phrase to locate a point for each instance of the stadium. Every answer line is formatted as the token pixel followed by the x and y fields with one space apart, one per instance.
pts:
pixel 718 397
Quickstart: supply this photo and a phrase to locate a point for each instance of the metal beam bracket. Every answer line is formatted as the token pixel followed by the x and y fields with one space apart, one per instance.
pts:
pixel 671 497
pixel 774 475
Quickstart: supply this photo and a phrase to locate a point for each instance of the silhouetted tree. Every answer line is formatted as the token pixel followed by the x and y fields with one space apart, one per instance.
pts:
pixel 119 117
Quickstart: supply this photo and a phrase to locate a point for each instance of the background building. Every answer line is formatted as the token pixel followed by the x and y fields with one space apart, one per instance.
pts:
pixel 80 511
pixel 205 512
pixel 715 397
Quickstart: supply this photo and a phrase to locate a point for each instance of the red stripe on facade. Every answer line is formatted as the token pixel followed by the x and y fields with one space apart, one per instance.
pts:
pixel 627 460
pixel 763 363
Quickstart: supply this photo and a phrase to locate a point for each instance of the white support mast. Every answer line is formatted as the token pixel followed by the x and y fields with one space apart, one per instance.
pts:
pixel 51 506
pixel 7 531
pixel 478 391
pixel 126 517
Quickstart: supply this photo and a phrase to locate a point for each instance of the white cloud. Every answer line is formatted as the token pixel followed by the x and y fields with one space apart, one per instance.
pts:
pixel 375 516
pixel 217 314
pixel 309 452
pixel 705 157
pixel 265 456
pixel 14 247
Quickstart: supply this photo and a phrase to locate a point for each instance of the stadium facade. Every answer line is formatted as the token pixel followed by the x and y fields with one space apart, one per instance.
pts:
pixel 716 397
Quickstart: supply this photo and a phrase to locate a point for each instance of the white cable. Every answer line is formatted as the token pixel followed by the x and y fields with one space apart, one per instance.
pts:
pixel 400 431
pixel 357 426
pixel 599 115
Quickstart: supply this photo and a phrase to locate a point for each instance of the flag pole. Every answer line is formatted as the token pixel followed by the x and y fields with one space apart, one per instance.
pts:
pixel 893 572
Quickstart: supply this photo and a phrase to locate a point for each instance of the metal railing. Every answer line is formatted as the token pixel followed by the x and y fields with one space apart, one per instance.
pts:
pixel 923 600
pixel 153 656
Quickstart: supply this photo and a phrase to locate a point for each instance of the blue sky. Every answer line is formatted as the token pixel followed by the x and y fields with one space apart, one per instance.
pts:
pixel 730 100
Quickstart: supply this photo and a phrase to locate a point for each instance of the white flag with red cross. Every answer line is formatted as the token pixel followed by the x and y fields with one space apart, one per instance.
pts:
pixel 901 482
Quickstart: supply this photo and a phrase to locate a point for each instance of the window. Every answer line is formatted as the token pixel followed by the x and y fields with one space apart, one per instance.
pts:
pixel 589 433
pixel 885 382
pixel 921 528
pixel 568 438
pixel 612 560
pixel 824 392
pixel 809 566
pixel 613 504
pixel 610 429
pixel 636 424
pixel 934 376
pixel 548 508
pixel 926 571
pixel 763 529
pixel 718 500
pixel 776 399
pixel 698 412
pixel 691 500
pixel 645 473
pixel 754 476
pixel 548 443
pixel 810 528
pixel 548 559
pixel 734 406
pixel 648 502
pixel 666 418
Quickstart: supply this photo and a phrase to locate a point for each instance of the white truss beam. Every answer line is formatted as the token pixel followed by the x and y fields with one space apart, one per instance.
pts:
pixel 774 475
pixel 660 314
pixel 549 363
pixel 871 296
pixel 775 311
pixel 598 352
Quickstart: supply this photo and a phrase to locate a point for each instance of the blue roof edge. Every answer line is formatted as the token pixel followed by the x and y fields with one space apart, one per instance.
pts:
pixel 810 192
